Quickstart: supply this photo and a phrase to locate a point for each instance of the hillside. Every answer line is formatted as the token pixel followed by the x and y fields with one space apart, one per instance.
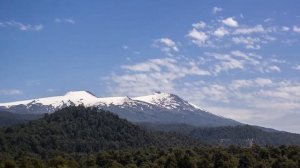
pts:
pixel 8 118
pixel 241 135
pixel 80 129
pixel 244 135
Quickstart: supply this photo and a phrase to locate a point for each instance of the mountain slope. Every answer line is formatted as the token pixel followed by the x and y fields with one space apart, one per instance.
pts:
pixel 156 108
pixel 80 129
pixel 244 135
pixel 9 118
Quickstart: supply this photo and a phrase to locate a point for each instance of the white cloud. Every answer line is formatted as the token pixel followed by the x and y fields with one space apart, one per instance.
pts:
pixel 230 22
pixel 286 91
pixel 296 29
pixel 258 82
pixel 250 30
pixel 22 26
pixel 275 60
pixel 154 74
pixel 297 67
pixel 269 20
pixel 64 20
pixel 249 42
pixel 245 57
pixel 255 47
pixel 10 92
pixel 267 39
pixel 215 92
pixel 225 62
pixel 199 25
pixel 220 32
pixel 198 37
pixel 151 65
pixel 235 60
pixel 51 90
pixel 272 68
pixel 166 45
pixel 169 64
pixel 263 82
pixel 259 101
pixel 239 61
pixel 285 28
pixel 216 9
pixel 251 37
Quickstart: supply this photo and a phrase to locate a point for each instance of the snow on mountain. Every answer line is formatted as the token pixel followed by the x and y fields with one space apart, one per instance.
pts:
pixel 158 107
pixel 167 100
pixel 70 98
pixel 114 101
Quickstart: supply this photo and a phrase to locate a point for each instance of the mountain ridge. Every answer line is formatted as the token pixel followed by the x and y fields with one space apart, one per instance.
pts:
pixel 158 107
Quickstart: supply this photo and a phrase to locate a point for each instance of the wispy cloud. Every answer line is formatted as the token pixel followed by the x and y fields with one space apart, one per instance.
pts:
pixel 249 42
pixel 269 20
pixel 166 45
pixel 153 74
pixel 216 9
pixel 285 28
pixel 296 29
pixel 226 62
pixel 272 68
pixel 64 20
pixel 51 90
pixel 10 92
pixel 250 30
pixel 297 67
pixel 21 26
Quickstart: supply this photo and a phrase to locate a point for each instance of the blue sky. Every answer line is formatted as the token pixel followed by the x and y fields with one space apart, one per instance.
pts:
pixel 238 59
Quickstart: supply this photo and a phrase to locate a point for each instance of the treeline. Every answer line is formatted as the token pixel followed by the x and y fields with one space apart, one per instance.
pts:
pixel 197 157
pixel 244 135
pixel 241 135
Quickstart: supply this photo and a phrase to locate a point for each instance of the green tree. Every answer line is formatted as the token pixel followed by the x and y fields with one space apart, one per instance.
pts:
pixel 246 161
pixel 171 162
pixel 284 163
pixel 103 159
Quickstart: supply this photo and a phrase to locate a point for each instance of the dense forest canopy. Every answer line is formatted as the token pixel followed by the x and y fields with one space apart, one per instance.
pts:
pixel 89 137
pixel 196 157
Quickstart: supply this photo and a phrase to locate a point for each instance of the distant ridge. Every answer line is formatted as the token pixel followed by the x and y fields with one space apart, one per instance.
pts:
pixel 159 107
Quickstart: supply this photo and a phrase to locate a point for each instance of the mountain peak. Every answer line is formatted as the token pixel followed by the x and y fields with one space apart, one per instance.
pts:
pixel 162 99
pixel 81 94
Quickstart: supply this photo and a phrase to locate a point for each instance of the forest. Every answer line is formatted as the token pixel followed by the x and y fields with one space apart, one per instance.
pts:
pixel 188 157
pixel 89 137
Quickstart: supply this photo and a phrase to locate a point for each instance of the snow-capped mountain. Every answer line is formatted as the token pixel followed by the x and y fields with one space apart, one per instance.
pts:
pixel 158 107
